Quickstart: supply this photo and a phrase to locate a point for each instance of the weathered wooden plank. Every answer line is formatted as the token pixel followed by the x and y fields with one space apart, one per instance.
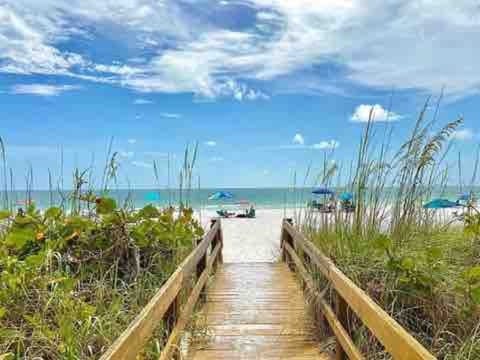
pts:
pixel 341 334
pixel 187 310
pixel 242 330
pixel 129 344
pixel 396 340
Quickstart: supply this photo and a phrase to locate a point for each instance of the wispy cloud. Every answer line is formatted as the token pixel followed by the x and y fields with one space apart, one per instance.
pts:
pixel 126 154
pixel 210 143
pixel 171 115
pixel 285 38
pixel 326 145
pixel 132 141
pixel 42 89
pixel 378 114
pixel 216 159
pixel 463 134
pixel 142 164
pixel 298 139
pixel 142 102
pixel 158 154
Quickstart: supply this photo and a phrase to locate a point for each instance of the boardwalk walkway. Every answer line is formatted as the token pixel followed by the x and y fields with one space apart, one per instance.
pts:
pixel 255 310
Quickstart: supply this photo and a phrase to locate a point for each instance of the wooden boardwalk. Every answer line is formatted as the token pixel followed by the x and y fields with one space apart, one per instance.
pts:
pixel 256 311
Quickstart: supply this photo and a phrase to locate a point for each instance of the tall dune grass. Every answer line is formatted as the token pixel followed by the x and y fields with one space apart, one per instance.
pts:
pixel 422 267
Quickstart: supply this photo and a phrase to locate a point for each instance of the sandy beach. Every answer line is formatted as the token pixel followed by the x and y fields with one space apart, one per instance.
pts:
pixel 251 240
pixel 258 239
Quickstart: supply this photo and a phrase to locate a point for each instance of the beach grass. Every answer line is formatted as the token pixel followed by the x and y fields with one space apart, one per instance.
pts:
pixel 74 275
pixel 421 266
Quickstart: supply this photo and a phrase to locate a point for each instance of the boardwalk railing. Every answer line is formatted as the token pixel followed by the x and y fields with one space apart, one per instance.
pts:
pixel 302 254
pixel 165 306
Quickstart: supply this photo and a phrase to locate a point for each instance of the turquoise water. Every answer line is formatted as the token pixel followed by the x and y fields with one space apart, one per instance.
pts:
pixel 261 197
pixel 266 198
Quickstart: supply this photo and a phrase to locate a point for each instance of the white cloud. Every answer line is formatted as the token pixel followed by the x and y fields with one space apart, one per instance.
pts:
pixel 126 154
pixel 193 54
pixel 42 89
pixel 171 115
pixel 463 134
pixel 378 113
pixel 298 139
pixel 216 159
pixel 142 164
pixel 326 145
pixel 142 102
pixel 211 143
pixel 132 141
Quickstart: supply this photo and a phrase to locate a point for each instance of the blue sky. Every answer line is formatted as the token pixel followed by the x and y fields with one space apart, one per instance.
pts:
pixel 265 86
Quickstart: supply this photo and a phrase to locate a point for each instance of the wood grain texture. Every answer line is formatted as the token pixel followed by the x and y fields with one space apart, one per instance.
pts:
pixel 132 341
pixel 187 309
pixel 256 311
pixel 343 338
pixel 396 340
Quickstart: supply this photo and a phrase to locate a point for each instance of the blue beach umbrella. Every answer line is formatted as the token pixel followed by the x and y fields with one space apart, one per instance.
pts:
pixel 323 191
pixel 220 195
pixel 346 196
pixel 440 204
pixel 152 196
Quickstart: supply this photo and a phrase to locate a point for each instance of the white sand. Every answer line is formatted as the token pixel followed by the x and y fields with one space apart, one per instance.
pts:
pixel 251 240
pixel 258 240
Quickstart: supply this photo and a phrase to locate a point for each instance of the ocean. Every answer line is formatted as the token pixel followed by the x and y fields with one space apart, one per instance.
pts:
pixel 198 198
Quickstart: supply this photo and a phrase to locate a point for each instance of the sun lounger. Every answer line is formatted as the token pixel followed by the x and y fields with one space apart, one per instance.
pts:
pixel 250 214
pixel 225 213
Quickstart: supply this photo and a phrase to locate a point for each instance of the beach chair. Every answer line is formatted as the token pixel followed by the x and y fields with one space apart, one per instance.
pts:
pixel 250 214
pixel 225 214
pixel 327 208
pixel 315 205
pixel 347 206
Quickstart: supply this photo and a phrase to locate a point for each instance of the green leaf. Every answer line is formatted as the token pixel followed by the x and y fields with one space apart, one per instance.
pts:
pixel 149 212
pixel 7 356
pixel 408 263
pixel 106 205
pixel 475 293
pixel 36 260
pixel 5 214
pixel 473 274
pixel 19 237
pixel 53 213
pixel 24 220
pixel 434 253
pixel 382 242
pixel 3 311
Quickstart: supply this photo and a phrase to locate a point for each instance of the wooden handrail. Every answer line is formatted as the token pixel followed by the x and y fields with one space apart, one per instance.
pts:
pixel 396 340
pixel 164 306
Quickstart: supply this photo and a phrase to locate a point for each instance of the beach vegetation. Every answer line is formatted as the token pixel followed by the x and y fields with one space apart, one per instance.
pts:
pixel 74 275
pixel 422 266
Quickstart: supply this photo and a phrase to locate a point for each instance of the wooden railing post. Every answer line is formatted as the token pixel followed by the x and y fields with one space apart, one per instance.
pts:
pixel 202 264
pixel 286 238
pixel 170 318
pixel 341 313
pixel 217 239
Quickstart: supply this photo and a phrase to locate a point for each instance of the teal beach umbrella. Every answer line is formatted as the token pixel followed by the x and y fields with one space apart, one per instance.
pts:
pixel 346 196
pixel 220 195
pixel 440 204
